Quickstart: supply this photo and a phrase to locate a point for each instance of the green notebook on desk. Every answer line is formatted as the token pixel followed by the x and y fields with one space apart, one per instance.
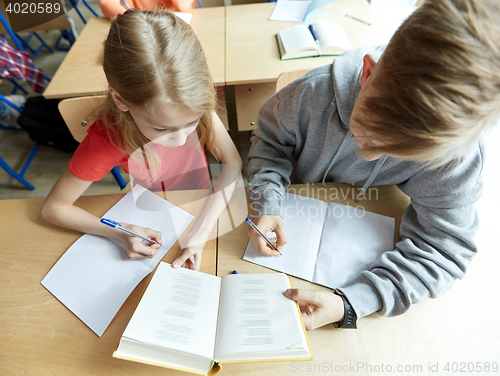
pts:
pixel 321 38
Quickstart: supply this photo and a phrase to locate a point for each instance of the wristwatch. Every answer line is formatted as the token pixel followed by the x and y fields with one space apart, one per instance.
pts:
pixel 350 317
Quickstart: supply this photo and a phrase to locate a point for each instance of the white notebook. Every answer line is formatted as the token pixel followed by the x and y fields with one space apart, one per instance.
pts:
pixel 328 244
pixel 95 276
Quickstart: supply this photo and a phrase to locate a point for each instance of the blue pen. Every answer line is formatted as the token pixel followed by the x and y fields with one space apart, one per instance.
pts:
pixel 264 236
pixel 311 29
pixel 118 226
pixel 126 4
pixel 235 272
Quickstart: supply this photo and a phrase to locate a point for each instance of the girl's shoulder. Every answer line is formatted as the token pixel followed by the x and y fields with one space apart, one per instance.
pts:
pixel 107 131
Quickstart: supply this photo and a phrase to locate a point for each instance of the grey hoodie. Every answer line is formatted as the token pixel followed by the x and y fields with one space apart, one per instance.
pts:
pixel 307 122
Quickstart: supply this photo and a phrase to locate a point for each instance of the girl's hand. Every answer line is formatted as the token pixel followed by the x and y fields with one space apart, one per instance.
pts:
pixel 137 247
pixel 189 256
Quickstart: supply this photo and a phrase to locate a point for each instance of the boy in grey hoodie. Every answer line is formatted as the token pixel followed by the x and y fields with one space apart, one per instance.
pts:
pixel 414 119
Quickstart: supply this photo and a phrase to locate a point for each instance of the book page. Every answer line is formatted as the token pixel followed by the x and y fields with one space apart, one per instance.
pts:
pixel 303 218
pixel 352 240
pixel 298 38
pixel 95 276
pixel 177 311
pixel 256 321
pixel 332 38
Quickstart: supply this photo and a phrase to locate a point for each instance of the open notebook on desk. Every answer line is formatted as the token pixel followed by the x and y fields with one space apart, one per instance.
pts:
pixel 95 276
pixel 328 244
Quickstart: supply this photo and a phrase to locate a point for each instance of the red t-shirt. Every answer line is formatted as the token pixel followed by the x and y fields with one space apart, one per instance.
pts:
pixel 182 167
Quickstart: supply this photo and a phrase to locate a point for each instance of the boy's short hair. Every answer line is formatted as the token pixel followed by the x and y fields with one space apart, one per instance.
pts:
pixel 437 85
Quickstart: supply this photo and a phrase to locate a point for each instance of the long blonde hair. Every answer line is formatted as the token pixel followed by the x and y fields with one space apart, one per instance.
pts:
pixel 151 57
pixel 437 84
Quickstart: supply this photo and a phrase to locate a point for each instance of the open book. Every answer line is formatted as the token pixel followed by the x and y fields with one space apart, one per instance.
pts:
pixel 328 244
pixel 95 276
pixel 191 321
pixel 321 38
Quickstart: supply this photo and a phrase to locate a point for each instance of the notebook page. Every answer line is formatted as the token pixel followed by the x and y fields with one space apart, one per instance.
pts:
pixel 154 212
pixel 289 11
pixel 303 218
pixel 178 311
pixel 95 276
pixel 92 282
pixel 352 240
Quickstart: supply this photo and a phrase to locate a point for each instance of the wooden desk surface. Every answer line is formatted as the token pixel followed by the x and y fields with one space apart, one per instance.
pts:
pixel 38 335
pixel 81 74
pixel 252 54
pixel 460 326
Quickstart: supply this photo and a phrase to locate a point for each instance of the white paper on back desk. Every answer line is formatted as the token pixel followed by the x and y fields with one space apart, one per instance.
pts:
pixel 94 277
pixel 328 244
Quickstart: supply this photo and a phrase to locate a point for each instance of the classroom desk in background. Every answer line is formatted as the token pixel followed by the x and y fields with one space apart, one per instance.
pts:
pixel 80 73
pixel 252 56
pixel 459 327
pixel 38 335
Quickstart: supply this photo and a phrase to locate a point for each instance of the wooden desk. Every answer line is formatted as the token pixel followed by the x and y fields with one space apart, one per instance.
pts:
pixel 38 335
pixel 81 74
pixel 461 326
pixel 252 57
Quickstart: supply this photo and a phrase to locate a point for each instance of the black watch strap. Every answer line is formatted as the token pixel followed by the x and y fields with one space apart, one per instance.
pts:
pixel 350 317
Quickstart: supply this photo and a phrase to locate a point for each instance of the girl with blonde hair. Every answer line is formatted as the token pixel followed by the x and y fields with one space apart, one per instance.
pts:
pixel 158 117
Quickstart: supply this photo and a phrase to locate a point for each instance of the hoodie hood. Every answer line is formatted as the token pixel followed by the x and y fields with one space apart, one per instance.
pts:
pixel 347 86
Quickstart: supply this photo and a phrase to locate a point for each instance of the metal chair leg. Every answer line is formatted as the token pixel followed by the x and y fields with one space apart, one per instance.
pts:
pixel 20 177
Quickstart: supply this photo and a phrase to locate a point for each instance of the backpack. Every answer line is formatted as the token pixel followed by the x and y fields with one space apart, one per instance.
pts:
pixel 45 125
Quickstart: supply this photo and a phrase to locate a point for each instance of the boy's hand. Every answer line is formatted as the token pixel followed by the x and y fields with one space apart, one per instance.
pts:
pixel 189 256
pixel 137 247
pixel 318 308
pixel 268 223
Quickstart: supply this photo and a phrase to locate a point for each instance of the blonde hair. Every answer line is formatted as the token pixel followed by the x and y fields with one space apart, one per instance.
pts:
pixel 437 84
pixel 151 58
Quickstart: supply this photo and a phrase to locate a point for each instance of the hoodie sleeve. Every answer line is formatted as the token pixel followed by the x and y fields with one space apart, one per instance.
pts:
pixel 270 166
pixel 437 246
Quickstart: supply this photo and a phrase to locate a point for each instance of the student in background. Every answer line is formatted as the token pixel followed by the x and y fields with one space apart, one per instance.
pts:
pixel 111 8
pixel 155 122
pixel 414 119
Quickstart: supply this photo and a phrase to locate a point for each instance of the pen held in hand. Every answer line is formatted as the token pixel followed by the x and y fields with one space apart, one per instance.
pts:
pixel 264 236
pixel 118 226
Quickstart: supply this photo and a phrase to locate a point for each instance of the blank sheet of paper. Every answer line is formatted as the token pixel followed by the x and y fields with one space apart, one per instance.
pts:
pixel 94 277
pixel 352 240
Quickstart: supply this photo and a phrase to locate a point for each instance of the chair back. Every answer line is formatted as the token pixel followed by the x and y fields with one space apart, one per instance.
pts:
pixel 77 112
pixel 286 77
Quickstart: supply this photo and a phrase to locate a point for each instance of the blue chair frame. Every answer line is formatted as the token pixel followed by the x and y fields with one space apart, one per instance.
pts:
pixel 18 176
